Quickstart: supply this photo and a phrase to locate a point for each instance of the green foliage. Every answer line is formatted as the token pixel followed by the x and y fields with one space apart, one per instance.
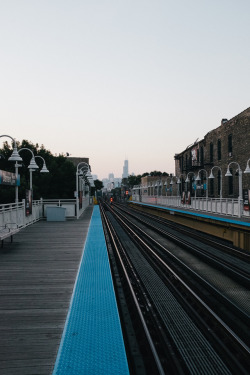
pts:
pixel 133 180
pixel 136 180
pixel 58 183
pixel 98 184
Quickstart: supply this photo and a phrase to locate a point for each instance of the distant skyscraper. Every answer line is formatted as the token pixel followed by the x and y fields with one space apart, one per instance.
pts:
pixel 111 176
pixel 125 169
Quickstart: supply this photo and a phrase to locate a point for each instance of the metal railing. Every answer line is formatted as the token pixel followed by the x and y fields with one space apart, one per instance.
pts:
pixel 223 206
pixel 16 212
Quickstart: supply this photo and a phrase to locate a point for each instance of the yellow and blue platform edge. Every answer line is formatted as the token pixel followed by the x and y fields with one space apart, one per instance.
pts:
pixel 205 216
pixel 92 341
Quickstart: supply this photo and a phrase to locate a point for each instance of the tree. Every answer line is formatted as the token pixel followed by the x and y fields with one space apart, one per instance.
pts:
pixel 58 183
pixel 98 184
pixel 133 180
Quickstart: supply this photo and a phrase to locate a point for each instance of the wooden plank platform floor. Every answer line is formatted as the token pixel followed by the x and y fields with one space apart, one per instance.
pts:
pixel 37 276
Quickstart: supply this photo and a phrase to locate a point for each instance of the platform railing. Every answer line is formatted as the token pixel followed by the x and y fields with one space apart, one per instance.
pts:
pixel 15 213
pixel 223 206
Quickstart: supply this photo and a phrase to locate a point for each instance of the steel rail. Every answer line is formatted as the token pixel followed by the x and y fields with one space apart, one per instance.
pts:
pixel 240 342
pixel 150 341
pixel 241 275
pixel 233 251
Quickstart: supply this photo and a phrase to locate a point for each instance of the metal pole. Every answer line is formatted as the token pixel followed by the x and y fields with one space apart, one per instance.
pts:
pixel 76 183
pixel 240 183
pixel 207 186
pixel 221 185
pixel 31 170
pixel 16 187
pixel 240 190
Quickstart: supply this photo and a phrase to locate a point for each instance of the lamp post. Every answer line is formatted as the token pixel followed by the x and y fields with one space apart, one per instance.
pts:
pixel 247 170
pixel 229 174
pixel 44 168
pixel 172 183
pixel 188 180
pixel 198 179
pixel 212 176
pixel 166 183
pixel 178 183
pixel 80 173
pixel 33 166
pixel 14 157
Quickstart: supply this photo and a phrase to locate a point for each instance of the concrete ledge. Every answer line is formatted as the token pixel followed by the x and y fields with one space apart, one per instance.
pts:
pixel 235 231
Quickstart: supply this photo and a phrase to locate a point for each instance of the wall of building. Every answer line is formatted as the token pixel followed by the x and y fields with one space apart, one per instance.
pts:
pixel 190 161
pixel 77 160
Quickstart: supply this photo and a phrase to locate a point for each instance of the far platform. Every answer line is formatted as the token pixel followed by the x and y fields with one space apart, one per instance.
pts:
pixel 235 230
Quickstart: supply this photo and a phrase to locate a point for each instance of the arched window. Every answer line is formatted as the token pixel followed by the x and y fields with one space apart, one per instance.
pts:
pixel 230 183
pixel 211 152
pixel 219 182
pixel 219 149
pixel 211 187
pixel 230 144
pixel 202 156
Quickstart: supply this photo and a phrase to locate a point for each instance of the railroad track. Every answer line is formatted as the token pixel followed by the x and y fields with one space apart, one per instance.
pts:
pixel 165 301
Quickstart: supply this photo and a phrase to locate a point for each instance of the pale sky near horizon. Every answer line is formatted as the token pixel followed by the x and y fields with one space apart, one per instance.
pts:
pixel 114 80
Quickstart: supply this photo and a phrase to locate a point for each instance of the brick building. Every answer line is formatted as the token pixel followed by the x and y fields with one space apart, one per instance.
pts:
pixel 77 160
pixel 227 145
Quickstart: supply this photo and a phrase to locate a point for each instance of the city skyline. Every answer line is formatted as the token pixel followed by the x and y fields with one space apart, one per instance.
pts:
pixel 114 81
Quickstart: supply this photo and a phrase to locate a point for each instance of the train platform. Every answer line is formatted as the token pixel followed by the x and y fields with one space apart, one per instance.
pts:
pixel 51 274
pixel 92 341
pixel 233 229
pixel 244 221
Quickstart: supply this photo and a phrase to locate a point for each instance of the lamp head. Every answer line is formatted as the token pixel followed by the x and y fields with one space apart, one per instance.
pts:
pixel 187 180
pixel 247 170
pixel 211 175
pixel 15 155
pixel 228 174
pixel 33 164
pixel 44 169
pixel 198 178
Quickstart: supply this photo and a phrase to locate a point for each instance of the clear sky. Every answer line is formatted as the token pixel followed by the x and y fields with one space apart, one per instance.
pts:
pixel 122 79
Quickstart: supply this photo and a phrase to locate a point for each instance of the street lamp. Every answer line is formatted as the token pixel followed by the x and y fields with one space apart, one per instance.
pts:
pixel 247 170
pixel 14 157
pixel 80 173
pixel 198 179
pixel 44 168
pixel 179 182
pixel 33 166
pixel 212 176
pixel 229 174
pixel 166 183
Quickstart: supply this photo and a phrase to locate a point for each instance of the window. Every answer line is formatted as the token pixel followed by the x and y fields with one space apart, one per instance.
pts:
pixel 230 144
pixel 211 190
pixel 219 182
pixel 211 152
pixel 202 156
pixel 219 149
pixel 230 184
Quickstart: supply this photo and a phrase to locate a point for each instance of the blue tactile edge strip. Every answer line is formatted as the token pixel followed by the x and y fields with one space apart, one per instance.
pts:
pixel 92 341
pixel 238 222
